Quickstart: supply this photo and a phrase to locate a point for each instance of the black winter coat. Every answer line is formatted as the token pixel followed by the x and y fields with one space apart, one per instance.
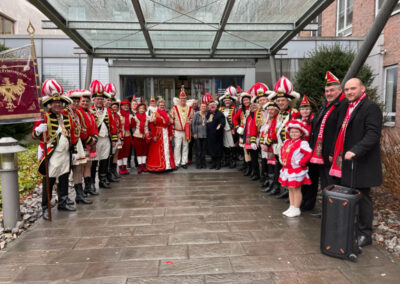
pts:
pixel 328 140
pixel 362 137
pixel 215 137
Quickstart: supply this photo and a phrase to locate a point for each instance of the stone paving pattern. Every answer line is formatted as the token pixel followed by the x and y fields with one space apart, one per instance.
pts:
pixel 184 227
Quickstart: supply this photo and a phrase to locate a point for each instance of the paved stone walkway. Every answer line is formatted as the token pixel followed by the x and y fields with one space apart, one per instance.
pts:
pixel 184 227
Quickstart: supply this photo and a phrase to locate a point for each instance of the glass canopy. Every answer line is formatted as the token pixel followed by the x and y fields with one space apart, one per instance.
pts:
pixel 181 28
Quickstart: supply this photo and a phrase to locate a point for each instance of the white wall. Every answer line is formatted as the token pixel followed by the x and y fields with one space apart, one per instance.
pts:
pixel 22 12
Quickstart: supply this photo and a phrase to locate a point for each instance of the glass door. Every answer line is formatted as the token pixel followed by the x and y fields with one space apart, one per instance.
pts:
pixel 165 88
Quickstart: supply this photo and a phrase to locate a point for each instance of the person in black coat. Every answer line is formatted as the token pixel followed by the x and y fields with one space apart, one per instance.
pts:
pixel 332 107
pixel 360 156
pixel 215 132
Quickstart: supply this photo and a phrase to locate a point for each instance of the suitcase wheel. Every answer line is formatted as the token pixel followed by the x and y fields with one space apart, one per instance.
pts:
pixel 353 257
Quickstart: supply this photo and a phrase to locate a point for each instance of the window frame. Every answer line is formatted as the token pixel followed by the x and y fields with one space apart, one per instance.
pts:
pixel 389 113
pixel 393 13
pixel 348 29
pixel 3 19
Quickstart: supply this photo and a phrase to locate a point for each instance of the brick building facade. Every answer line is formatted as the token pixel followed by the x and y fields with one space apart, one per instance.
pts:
pixel 353 18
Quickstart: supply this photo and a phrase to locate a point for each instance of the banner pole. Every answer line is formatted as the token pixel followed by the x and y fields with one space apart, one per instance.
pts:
pixel 31 31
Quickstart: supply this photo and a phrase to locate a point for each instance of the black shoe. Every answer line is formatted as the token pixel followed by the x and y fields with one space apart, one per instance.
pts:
pixel 262 179
pixel 284 194
pixel 79 195
pixel 275 189
pixel 255 177
pixel 70 201
pixel 316 214
pixel 64 206
pixel 111 177
pixel 45 214
pixel 267 183
pixel 184 167
pixel 104 184
pixel 364 240
pixel 248 170
pixel 115 171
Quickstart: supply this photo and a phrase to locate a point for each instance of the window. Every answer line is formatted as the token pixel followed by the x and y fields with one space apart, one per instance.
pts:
pixel 6 25
pixel 344 17
pixel 317 20
pixel 379 3
pixel 390 92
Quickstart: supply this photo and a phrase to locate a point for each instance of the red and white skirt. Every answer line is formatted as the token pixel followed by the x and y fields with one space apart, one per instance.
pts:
pixel 294 179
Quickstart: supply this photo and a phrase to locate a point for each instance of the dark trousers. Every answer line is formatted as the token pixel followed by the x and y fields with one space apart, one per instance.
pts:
pixel 201 150
pixel 325 178
pixel 190 155
pixel 366 214
pixel 278 168
pixel 310 191
pixel 62 190
pixel 254 162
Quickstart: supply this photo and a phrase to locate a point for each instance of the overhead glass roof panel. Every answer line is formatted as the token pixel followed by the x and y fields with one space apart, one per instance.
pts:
pixel 189 11
pixel 248 40
pixel 269 11
pixel 95 10
pixel 182 39
pixel 114 39
pixel 163 28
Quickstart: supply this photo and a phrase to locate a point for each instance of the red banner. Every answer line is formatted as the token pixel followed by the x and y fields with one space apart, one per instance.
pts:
pixel 18 91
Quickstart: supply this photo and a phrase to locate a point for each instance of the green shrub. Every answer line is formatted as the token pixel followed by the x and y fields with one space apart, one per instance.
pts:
pixel 310 79
pixel 28 176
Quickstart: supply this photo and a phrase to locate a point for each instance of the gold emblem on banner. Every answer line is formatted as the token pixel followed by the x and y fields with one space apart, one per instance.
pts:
pixel 12 92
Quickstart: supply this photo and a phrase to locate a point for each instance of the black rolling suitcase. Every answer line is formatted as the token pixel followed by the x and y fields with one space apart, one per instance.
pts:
pixel 339 224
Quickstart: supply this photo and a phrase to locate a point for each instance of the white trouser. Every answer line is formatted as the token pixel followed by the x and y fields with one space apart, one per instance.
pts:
pixel 181 149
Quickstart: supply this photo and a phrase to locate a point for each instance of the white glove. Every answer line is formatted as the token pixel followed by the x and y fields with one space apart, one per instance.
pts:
pixel 40 129
pixel 240 130
pixel 74 156
pixel 253 146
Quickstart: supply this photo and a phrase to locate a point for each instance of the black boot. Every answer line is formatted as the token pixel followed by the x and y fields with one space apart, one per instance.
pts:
pixel 225 158
pixel 45 214
pixel 218 164
pixel 103 182
pixel 63 205
pixel 243 167
pixel 88 187
pixel 203 163
pixel 213 164
pixel 263 176
pixel 267 185
pixel 232 158
pixel 110 174
pixel 284 194
pixel 248 170
pixel 255 175
pixel 93 171
pixel 79 195
pixel 275 189
pixel 115 170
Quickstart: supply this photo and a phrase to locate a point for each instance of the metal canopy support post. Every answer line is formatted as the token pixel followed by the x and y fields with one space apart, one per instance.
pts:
pixel 89 69
pixel 273 68
pixel 372 36
pixel 224 20
pixel 142 22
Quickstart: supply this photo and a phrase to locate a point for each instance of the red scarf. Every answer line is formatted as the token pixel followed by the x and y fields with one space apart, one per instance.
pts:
pixel 142 121
pixel 317 153
pixel 164 115
pixel 125 114
pixel 336 169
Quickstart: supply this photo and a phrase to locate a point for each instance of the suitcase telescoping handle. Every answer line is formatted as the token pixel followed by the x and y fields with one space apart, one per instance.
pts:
pixel 352 173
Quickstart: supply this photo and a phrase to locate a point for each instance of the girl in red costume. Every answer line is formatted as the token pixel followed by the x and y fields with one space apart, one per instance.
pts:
pixel 160 156
pixel 295 154
pixel 127 124
pixel 141 136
